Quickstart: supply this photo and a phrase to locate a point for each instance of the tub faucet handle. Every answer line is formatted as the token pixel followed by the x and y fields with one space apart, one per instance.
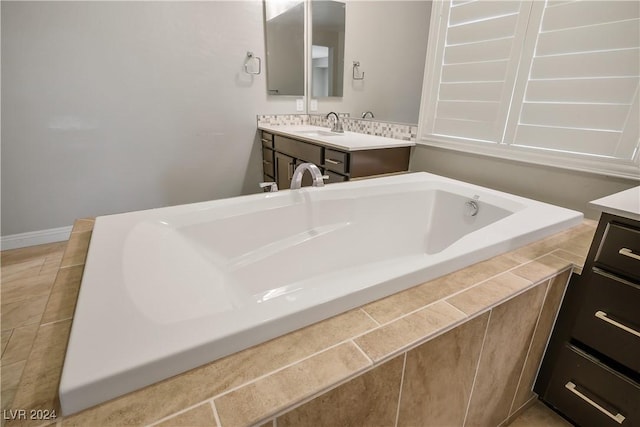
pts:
pixel 272 186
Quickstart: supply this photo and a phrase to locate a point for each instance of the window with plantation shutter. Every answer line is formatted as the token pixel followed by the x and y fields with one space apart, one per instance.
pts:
pixel 549 82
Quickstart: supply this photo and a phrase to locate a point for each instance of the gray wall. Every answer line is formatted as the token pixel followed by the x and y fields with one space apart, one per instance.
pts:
pixel 389 39
pixel 552 185
pixel 119 106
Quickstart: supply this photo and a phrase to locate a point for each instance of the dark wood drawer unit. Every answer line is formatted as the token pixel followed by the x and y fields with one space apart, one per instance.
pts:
pixel 298 149
pixel 591 369
pixel 334 177
pixel 620 251
pixel 378 162
pixel 592 394
pixel 267 139
pixel 268 162
pixel 281 154
pixel 609 320
pixel 336 161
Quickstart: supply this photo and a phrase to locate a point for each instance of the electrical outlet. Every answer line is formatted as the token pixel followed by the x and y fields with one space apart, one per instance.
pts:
pixel 314 105
pixel 300 104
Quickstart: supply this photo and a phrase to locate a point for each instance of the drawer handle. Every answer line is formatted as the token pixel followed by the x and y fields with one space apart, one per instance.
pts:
pixel 266 162
pixel 603 316
pixel 629 253
pixel 619 418
pixel 268 141
pixel 332 162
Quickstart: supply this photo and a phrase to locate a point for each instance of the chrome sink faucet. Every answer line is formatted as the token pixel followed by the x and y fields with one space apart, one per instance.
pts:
pixel 318 178
pixel 369 114
pixel 337 125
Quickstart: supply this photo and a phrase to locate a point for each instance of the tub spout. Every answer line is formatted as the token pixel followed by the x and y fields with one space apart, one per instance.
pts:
pixel 318 178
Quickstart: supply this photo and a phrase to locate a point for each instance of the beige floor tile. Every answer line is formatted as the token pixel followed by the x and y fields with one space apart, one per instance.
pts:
pixel 11 374
pixel 396 336
pixel 64 294
pixel 274 393
pixel 22 270
pixel 23 313
pixel 394 306
pixel 370 399
pixel 76 251
pixel 542 268
pixel 19 345
pixel 14 256
pixel 27 288
pixel 200 416
pixel 7 400
pixel 507 340
pixel 539 415
pixel 489 293
pixel 52 263
pixel 38 388
pixel 439 376
pixel 6 335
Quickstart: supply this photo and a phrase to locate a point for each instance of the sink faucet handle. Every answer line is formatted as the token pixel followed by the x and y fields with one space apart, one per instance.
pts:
pixel 273 187
pixel 337 125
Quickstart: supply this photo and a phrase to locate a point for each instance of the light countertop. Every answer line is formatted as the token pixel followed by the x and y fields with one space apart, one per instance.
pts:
pixel 347 141
pixel 625 203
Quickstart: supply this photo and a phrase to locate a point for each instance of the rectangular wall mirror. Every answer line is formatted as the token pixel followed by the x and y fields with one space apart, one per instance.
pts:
pixel 327 48
pixel 284 37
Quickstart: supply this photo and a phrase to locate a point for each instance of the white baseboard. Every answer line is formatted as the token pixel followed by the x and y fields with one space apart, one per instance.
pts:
pixel 31 238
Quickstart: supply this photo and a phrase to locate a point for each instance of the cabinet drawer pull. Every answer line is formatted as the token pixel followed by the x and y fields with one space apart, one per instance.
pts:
pixel 333 162
pixel 619 418
pixel 268 141
pixel 629 253
pixel 266 162
pixel 603 316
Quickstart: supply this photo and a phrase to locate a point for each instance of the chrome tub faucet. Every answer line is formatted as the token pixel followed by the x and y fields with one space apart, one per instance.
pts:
pixel 318 178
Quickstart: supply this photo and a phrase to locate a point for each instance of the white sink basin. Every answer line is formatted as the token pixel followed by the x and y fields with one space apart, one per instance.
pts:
pixel 318 133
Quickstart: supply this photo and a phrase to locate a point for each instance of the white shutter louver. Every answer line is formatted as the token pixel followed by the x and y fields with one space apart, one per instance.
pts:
pixel 582 89
pixel 478 65
pixel 547 82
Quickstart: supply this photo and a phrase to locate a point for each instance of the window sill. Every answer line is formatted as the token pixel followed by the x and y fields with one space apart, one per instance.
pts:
pixel 608 167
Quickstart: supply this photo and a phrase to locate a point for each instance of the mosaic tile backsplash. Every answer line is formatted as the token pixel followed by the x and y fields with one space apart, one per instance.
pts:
pixel 400 131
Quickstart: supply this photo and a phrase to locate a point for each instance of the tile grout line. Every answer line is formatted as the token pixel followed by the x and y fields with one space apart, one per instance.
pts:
pixel 275 371
pixel 216 416
pixel 475 375
pixel 363 353
pixel 404 369
pixel 53 322
pixel 369 316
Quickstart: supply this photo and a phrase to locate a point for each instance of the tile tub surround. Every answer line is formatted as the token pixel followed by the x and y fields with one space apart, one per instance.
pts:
pixel 402 131
pixel 339 357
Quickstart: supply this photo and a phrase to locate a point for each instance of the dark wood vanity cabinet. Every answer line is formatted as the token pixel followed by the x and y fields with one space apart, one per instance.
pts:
pixel 591 369
pixel 281 155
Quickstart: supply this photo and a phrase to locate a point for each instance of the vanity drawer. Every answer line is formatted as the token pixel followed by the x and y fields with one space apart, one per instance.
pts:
pixel 620 251
pixel 298 149
pixel 609 319
pixel 590 393
pixel 336 161
pixel 268 166
pixel 334 177
pixel 267 139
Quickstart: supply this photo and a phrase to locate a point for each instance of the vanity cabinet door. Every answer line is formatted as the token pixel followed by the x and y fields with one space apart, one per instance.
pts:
pixel 285 166
pixel 306 177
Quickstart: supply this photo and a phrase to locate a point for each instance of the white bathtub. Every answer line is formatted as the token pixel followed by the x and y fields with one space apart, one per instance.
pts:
pixel 167 290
